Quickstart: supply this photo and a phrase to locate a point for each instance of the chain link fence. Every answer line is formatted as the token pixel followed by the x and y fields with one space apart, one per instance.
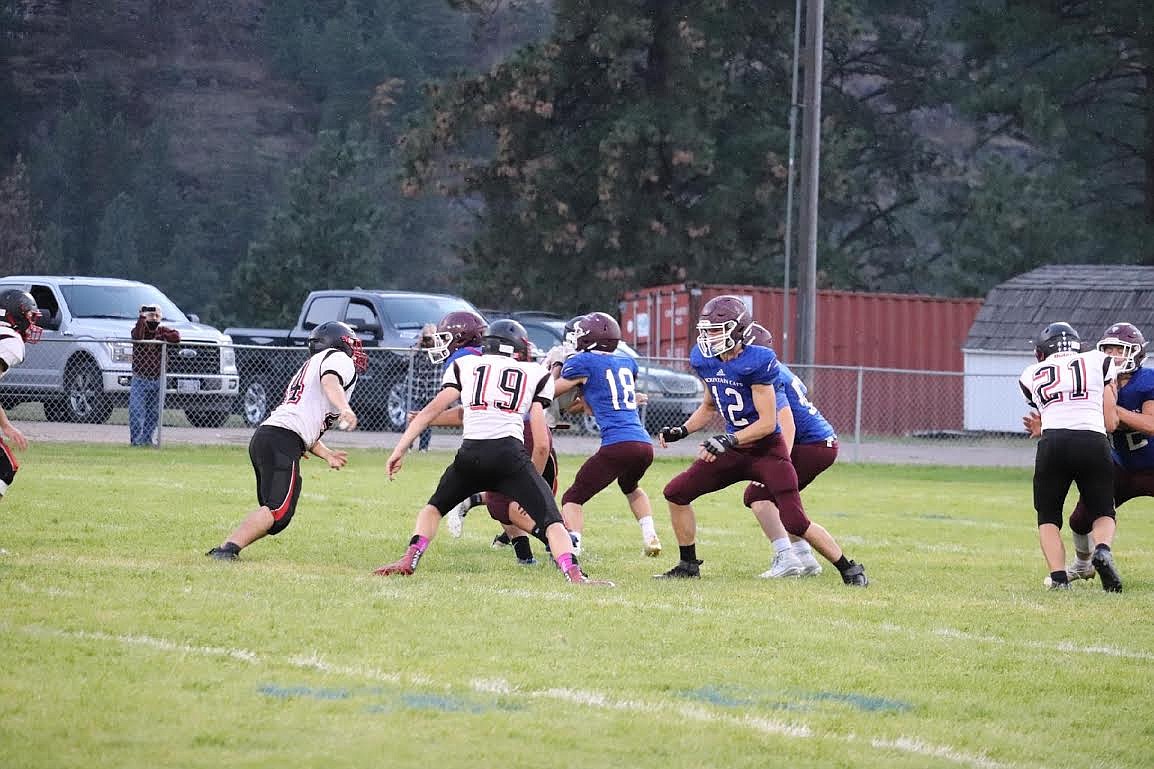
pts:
pixel 211 386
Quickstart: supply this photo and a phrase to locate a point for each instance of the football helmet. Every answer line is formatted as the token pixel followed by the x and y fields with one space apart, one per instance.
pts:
pixel 571 331
pixel 759 335
pixel 721 325
pixel 457 329
pixel 18 309
pixel 506 337
pixel 335 335
pixel 596 331
pixel 1056 337
pixel 1130 339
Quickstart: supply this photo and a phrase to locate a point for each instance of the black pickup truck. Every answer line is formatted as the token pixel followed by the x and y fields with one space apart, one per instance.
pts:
pixel 387 323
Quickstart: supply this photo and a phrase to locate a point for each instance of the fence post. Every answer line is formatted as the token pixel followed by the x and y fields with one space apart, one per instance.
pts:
pixel 857 416
pixel 160 395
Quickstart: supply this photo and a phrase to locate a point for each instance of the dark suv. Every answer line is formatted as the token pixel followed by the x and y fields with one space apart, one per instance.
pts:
pixel 673 395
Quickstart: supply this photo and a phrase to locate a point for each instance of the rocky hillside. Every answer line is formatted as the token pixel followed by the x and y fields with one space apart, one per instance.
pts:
pixel 196 63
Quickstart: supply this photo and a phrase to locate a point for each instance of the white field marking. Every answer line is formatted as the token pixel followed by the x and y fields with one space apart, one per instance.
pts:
pixel 595 700
pixel 96 480
pixel 1062 646
pixel 52 592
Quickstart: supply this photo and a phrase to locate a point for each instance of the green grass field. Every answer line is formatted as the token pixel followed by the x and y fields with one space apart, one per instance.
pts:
pixel 121 645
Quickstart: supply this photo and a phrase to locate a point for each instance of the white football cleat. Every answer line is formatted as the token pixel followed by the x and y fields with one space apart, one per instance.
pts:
pixel 810 566
pixel 785 564
pixel 652 547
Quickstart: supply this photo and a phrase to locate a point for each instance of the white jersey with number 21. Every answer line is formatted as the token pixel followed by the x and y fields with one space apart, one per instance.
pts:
pixel 1067 388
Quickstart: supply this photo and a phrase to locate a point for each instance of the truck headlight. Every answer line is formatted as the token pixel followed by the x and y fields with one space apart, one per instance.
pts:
pixel 120 352
pixel 228 360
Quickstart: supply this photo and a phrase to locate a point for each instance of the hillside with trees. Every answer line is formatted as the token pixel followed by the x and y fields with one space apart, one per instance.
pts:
pixel 554 154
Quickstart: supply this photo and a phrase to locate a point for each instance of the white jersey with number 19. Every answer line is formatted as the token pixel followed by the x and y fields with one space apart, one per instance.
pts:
pixel 496 393
pixel 1067 388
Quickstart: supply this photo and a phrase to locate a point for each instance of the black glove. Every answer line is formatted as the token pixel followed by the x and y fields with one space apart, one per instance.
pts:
pixel 671 434
pixel 719 444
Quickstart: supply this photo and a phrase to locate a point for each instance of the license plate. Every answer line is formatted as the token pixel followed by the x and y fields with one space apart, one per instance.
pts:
pixel 187 385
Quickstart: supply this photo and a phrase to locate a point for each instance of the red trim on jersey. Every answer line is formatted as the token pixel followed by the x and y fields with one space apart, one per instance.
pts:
pixel 279 513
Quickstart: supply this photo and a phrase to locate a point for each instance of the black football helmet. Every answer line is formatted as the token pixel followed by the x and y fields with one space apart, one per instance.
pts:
pixel 1056 337
pixel 460 328
pixel 1130 339
pixel 759 335
pixel 721 325
pixel 596 331
pixel 506 337
pixel 18 309
pixel 335 335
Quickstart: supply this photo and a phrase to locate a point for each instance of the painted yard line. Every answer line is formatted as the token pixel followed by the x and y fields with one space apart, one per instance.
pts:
pixel 590 699
pixel 1062 646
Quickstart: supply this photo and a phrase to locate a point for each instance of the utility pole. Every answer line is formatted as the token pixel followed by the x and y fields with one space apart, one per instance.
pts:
pixel 810 163
pixel 785 337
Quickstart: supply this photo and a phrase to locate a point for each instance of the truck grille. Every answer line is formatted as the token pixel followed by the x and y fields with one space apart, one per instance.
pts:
pixel 193 359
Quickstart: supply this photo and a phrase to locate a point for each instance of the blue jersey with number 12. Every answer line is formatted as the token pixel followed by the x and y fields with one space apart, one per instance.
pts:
pixel 731 383
pixel 610 389
pixel 1133 450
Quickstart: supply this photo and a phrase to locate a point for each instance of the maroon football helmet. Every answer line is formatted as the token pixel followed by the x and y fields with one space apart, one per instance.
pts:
pixel 18 309
pixel 721 326
pixel 596 331
pixel 458 329
pixel 759 335
pixel 1130 339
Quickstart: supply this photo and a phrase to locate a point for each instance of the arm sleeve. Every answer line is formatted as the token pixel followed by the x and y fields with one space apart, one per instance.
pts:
pixel 339 363
pixel 170 335
pixel 452 377
pixel 544 391
pixel 1026 392
pixel 574 368
pixel 138 329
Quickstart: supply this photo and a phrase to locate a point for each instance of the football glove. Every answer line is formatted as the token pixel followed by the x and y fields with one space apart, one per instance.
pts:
pixel 671 434
pixel 719 444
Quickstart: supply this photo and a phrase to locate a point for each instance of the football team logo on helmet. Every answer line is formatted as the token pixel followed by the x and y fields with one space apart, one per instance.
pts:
pixel 1130 339
pixel 1056 337
pixel 759 335
pixel 335 335
pixel 506 337
pixel 460 328
pixel 18 309
pixel 596 331
pixel 721 326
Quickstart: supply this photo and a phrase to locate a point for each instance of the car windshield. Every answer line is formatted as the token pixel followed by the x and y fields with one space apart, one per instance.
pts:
pixel 121 301
pixel 412 312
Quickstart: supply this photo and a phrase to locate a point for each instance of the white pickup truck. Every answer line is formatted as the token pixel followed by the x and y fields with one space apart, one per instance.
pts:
pixel 82 367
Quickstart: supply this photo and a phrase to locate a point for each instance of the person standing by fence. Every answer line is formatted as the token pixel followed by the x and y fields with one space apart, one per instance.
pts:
pixel 144 392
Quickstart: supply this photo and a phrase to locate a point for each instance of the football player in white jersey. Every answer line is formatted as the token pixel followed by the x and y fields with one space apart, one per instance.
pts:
pixel 496 390
pixel 1074 394
pixel 18 316
pixel 316 398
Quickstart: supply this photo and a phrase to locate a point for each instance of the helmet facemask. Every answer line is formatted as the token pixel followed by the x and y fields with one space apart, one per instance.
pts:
pixel 714 339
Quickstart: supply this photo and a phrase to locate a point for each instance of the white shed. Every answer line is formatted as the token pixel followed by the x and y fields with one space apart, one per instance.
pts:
pixel 1090 297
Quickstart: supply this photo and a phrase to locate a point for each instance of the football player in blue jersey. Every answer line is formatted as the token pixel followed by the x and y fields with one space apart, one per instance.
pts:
pixel 740 383
pixel 609 384
pixel 1132 450
pixel 813 448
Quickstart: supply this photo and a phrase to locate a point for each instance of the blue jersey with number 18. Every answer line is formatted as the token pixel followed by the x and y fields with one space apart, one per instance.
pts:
pixel 731 383
pixel 610 389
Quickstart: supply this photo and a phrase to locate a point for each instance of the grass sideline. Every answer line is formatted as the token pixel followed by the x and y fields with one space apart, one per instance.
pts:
pixel 122 646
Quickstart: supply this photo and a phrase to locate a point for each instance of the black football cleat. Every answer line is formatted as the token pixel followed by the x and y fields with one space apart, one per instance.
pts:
pixel 855 575
pixel 223 554
pixel 1103 561
pixel 683 570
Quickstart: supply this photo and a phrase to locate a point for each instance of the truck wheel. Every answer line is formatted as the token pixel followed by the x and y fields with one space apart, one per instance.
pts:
pixel 85 400
pixel 206 418
pixel 254 401
pixel 397 407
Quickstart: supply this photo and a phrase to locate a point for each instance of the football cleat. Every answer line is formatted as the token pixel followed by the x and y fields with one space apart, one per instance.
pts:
pixel 530 561
pixel 1050 584
pixel 501 540
pixel 810 566
pixel 577 577
pixel 1076 570
pixel 652 547
pixel 785 564
pixel 405 566
pixel 855 575
pixel 222 554
pixel 1103 561
pixel 455 518
pixel 683 570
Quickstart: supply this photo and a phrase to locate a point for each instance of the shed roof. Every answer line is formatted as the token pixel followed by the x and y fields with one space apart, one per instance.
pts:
pixel 1090 297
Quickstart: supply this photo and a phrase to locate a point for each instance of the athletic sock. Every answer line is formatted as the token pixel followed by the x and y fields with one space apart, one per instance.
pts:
pixel 1059 577
pixel 801 547
pixel 781 545
pixel 648 530
pixel 522 548
pixel 420 541
pixel 843 563
pixel 688 552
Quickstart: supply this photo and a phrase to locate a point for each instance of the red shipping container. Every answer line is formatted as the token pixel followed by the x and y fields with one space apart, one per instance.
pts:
pixel 893 331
